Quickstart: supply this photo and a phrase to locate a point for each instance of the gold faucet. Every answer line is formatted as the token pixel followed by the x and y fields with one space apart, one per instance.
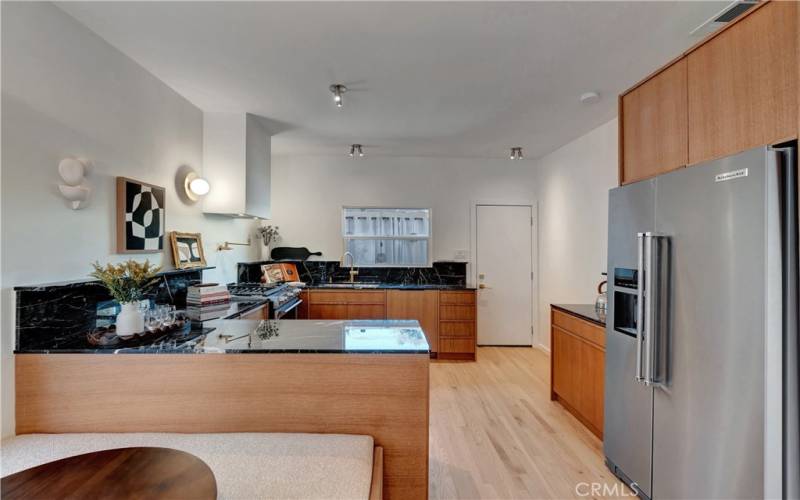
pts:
pixel 353 271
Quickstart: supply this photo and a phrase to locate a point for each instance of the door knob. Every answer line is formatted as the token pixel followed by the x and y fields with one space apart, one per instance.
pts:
pixel 482 286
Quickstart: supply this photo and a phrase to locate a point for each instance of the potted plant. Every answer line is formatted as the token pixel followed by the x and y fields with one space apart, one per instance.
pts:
pixel 127 283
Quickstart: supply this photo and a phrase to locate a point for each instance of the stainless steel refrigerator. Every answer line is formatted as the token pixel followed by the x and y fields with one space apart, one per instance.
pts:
pixel 701 379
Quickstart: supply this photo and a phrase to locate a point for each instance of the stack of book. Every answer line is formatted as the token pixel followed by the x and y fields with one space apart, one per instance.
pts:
pixel 203 295
pixel 206 313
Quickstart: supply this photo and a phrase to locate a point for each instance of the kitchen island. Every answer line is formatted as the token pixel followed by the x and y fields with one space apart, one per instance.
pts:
pixel 345 377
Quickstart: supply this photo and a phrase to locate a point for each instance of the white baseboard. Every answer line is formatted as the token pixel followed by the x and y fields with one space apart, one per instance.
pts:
pixel 542 347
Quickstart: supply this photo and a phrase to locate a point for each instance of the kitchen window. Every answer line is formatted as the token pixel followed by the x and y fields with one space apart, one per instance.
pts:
pixel 387 237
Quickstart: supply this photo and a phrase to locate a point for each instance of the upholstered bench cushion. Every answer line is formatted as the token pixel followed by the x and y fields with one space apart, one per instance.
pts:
pixel 245 465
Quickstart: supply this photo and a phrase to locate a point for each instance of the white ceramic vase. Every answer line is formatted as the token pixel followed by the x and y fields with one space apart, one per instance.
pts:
pixel 130 320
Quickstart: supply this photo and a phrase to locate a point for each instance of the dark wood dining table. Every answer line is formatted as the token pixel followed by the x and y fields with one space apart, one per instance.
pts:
pixel 141 472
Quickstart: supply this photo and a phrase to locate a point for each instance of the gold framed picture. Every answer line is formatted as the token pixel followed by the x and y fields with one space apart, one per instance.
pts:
pixel 187 250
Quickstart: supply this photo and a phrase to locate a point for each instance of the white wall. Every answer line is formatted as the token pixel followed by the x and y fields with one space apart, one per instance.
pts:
pixel 573 184
pixel 67 92
pixel 308 194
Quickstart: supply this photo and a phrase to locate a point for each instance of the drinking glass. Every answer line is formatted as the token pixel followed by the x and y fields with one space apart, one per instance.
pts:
pixel 152 320
pixel 168 316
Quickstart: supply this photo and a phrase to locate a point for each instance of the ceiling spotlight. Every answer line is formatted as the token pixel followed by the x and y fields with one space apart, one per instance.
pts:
pixel 516 154
pixel 355 149
pixel 337 90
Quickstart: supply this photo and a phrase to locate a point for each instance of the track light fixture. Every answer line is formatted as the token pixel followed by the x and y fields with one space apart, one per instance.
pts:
pixel 355 149
pixel 337 90
pixel 516 154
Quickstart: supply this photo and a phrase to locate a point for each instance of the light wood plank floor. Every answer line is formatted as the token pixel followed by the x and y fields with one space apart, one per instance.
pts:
pixel 494 433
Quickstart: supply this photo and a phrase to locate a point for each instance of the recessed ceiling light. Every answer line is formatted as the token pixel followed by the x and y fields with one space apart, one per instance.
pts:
pixel 516 153
pixel 337 90
pixel 590 97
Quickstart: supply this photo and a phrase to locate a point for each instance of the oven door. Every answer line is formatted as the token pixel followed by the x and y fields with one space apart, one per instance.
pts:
pixel 287 310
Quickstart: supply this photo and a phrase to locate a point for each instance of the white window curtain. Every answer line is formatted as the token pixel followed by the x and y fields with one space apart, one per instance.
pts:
pixel 391 237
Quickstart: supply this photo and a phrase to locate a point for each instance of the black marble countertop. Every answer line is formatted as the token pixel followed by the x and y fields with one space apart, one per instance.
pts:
pixel 281 336
pixel 585 311
pixel 385 286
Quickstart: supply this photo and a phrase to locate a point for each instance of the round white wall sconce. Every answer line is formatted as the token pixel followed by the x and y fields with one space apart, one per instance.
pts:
pixel 196 187
pixel 73 173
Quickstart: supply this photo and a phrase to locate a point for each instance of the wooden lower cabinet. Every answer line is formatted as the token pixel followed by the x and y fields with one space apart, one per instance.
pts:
pixel 349 304
pixel 366 311
pixel 578 368
pixel 327 311
pixel 421 305
pixel 457 324
pixel 302 309
pixel 448 317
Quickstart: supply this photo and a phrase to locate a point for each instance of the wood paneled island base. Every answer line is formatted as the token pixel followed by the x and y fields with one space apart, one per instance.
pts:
pixel 381 395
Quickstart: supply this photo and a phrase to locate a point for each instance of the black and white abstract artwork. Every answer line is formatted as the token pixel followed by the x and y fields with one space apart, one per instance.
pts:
pixel 140 216
pixel 188 249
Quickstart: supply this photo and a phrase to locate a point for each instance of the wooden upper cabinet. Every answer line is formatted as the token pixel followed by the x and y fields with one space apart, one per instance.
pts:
pixel 654 125
pixel 743 84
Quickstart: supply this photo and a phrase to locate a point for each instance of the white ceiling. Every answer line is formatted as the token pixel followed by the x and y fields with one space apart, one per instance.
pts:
pixel 451 79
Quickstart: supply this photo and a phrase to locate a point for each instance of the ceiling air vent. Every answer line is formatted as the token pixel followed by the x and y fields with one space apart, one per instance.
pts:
pixel 726 15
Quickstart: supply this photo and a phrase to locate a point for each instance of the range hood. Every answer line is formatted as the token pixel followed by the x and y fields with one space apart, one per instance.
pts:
pixel 236 163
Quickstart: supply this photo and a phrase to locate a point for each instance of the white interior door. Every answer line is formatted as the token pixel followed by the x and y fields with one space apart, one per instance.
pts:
pixel 504 268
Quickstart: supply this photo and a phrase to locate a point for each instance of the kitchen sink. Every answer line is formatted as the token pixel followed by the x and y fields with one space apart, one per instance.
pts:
pixel 349 285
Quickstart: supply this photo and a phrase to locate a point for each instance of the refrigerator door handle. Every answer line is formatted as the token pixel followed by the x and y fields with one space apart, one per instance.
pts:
pixel 648 308
pixel 640 243
pixel 655 307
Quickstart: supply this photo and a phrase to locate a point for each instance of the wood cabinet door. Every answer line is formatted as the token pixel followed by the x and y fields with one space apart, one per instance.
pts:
pixel 327 311
pixel 302 309
pixel 366 311
pixel 566 359
pixel 578 377
pixel 592 370
pixel 456 346
pixel 421 305
pixel 743 84
pixel 654 125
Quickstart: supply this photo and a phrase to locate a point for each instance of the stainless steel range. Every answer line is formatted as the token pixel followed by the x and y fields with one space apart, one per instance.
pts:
pixel 282 299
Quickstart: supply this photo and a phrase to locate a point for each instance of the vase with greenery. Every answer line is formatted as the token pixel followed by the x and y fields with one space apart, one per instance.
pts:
pixel 268 235
pixel 127 283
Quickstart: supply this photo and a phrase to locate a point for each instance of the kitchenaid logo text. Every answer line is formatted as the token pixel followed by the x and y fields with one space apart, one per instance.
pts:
pixel 604 490
pixel 727 176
